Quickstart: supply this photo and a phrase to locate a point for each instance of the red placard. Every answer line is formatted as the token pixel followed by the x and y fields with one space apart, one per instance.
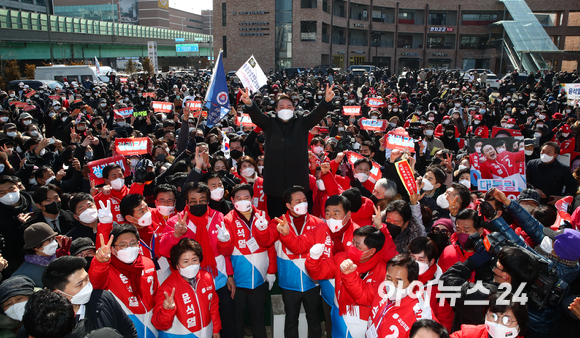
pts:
pixel 562 207
pixel 375 173
pixel 406 174
pixel 123 79
pixel 160 106
pixel 123 112
pixel 54 97
pixel 504 132
pixel 149 95
pixel 30 93
pixel 193 105
pixel 375 102
pixel 29 108
pixel 244 120
pixel 376 125
pixel 399 139
pixel 351 110
pixel 96 168
pixel 132 146
pixel 21 104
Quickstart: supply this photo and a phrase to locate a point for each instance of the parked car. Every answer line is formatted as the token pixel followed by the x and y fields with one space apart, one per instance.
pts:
pixel 519 80
pixel 493 81
pixel 293 71
pixel 34 84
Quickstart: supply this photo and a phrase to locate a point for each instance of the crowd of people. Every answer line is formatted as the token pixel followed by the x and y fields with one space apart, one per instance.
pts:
pixel 287 194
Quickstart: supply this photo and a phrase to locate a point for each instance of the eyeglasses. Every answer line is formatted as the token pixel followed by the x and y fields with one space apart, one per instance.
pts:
pixel 505 320
pixel 170 201
pixel 124 246
pixel 440 231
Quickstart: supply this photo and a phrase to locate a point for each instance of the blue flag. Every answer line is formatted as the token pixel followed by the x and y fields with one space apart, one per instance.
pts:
pixel 217 99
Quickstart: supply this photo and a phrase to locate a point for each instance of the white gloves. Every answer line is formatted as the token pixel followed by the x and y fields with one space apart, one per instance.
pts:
pixel 270 278
pixel 105 215
pixel 316 251
pixel 261 223
pixel 223 234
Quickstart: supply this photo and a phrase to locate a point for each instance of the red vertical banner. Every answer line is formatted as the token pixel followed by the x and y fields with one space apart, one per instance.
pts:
pixel 407 177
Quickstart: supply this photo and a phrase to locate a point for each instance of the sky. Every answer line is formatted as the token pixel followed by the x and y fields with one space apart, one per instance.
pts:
pixel 187 5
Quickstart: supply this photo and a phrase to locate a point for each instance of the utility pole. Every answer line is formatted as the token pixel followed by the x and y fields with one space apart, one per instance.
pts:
pixel 48 3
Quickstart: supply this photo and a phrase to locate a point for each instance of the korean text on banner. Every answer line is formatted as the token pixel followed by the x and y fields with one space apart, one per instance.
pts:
pixel 96 168
pixel 123 112
pixel 30 93
pixel 251 75
pixel 149 95
pixel 376 125
pixel 160 106
pixel 504 132
pixel 406 174
pixel 244 120
pixel 193 105
pixel 375 102
pixel 375 173
pixel 351 110
pixel 132 146
pixel 572 92
pixel 399 139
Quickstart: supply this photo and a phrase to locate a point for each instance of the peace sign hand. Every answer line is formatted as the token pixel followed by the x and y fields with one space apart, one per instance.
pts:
pixel 261 223
pixel 329 93
pixel 454 206
pixel 246 97
pixel 377 218
pixel 181 225
pixel 105 215
pixel 282 226
pixel 169 303
pixel 223 233
pixel 103 254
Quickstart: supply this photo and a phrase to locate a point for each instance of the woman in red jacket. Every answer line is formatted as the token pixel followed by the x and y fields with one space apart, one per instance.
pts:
pixel 248 172
pixel 186 304
pixel 501 321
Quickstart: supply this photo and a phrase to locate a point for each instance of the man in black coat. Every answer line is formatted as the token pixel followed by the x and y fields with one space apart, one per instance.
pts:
pixel 286 145
pixel 47 199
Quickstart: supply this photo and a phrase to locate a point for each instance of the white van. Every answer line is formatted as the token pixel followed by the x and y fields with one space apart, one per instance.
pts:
pixel 367 68
pixel 72 73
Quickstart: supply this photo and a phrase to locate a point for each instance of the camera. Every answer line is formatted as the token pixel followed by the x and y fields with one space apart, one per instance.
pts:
pixel 548 289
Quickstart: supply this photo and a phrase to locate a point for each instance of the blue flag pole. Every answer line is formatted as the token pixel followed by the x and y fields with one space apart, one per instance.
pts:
pixel 217 99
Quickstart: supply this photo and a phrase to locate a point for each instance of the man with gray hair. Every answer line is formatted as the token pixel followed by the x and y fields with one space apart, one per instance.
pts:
pixel 384 192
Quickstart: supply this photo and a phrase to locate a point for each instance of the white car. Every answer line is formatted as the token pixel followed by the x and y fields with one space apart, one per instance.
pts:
pixel 493 81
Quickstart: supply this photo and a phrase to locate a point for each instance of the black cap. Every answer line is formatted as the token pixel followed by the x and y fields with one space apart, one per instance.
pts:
pixel 16 286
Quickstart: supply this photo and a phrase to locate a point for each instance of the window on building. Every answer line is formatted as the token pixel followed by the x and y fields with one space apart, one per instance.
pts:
pixel 549 19
pixel 478 19
pixel 224 13
pixel 224 46
pixel 308 3
pixel 572 43
pixel 435 42
pixel 472 42
pixel 437 19
pixel 405 41
pixel 407 18
pixel 307 30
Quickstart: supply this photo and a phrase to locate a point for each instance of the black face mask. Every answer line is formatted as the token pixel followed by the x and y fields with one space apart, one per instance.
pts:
pixel 235 154
pixel 52 208
pixel 161 157
pixel 213 147
pixel 394 230
pixel 170 143
pixel 436 160
pixel 199 139
pixel 198 210
pixel 260 138
pixel 441 240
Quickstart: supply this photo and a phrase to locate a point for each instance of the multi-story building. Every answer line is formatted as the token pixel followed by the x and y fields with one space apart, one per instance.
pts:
pixel 414 33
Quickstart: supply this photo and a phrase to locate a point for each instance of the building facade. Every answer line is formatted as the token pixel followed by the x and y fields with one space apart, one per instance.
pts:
pixel 415 33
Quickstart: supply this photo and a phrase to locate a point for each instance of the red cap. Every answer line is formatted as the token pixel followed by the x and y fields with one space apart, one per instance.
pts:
pixel 446 117
pixel 275 86
pixel 557 116
pixel 565 128
pixel 512 120
pixel 478 117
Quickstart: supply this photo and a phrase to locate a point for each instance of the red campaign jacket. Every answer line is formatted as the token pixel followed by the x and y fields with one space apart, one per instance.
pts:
pixel 264 259
pixel 260 201
pixel 473 331
pixel 364 215
pixel 389 249
pixel 319 198
pixel 567 145
pixel 116 197
pixel 480 131
pixel 440 129
pixel 196 311
pixel 512 161
pixel 149 239
pixel 451 255
pixel 349 289
pixel 394 321
pixel 336 184
pixel 160 219
pixel 445 313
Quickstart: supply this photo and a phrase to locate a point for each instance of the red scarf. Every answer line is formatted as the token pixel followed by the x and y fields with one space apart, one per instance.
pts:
pixel 132 271
pixel 342 294
pixel 337 245
pixel 202 237
pixel 428 275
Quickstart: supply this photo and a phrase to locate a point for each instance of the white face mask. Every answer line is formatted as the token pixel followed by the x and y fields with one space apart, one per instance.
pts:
pixel 128 255
pixel 335 224
pixel 16 311
pixel 145 220
pixel 461 167
pixel 429 132
pixel 117 184
pixel 496 330
pixel 465 183
pixel 427 185
pixel 285 114
pixel 356 146
pixel 540 125
pixel 134 162
pixel 248 172
pixel 542 117
pixel 476 122
pixel 395 110
pixel 528 152
pixel 217 194
pixel 500 150
pixel 243 206
pixel 565 134
pixel 546 158
pixel 317 150
pixel 374 117
pixel 50 248
pixel 27 122
pixel 362 177
pixel 83 296
pixel 442 201
pixel 537 135
pixel 164 210
pixel 189 271
pixel 4 118
pixel 320 185
pixel 457 105
pixel 431 118
pixel 301 208
pixel 423 267
pixel 11 134
pixel 260 168
pixel 445 122
pixel 89 215
pixel 10 198
pixel 509 125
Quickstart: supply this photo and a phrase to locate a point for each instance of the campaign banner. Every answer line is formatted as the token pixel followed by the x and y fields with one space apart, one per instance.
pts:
pixel 30 93
pixel 375 173
pixel 376 125
pixel 351 110
pixel 375 102
pixel 252 76
pixel 562 206
pixel 140 113
pixel 96 168
pixel 78 101
pixel 29 108
pixel 54 97
pixel 123 79
pixel 160 106
pixel 244 120
pixel 498 163
pixel 132 146
pixel 572 92
pixel 499 132
pixel 407 177
pixel 21 104
pixel 149 95
pixel 123 112
pixel 399 139
pixel 193 105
